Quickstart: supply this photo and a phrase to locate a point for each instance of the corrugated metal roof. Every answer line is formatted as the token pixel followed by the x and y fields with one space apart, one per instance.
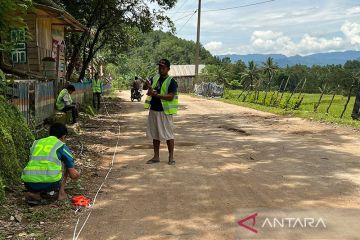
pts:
pixel 184 70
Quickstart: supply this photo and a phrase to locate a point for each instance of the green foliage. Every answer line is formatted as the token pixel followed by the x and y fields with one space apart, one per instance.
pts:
pixel 112 25
pixel 148 48
pixel 15 141
pixel 306 109
pixel 11 16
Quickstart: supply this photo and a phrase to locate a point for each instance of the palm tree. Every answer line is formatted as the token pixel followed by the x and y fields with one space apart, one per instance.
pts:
pixel 251 75
pixel 269 68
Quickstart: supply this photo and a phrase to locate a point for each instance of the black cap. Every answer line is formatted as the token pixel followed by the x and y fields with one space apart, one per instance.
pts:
pixel 164 62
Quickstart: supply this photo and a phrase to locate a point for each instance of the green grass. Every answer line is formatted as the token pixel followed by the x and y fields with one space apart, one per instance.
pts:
pixel 306 109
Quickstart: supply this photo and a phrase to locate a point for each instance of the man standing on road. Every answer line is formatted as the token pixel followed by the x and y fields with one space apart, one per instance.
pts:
pixel 97 88
pixel 162 101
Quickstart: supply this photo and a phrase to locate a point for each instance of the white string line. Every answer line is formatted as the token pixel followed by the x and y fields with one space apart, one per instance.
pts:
pixel 76 236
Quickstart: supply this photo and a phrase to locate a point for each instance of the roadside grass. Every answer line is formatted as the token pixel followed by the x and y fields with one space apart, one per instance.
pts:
pixel 306 109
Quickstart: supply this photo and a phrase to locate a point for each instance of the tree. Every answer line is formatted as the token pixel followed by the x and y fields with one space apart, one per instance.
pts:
pixel 269 68
pixel 11 16
pixel 251 74
pixel 111 24
pixel 215 73
pixel 352 65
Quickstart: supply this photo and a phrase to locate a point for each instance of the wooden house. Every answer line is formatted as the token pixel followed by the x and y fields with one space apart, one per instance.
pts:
pixel 42 54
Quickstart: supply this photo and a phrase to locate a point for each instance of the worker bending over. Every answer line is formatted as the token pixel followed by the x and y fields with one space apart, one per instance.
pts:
pixel 51 163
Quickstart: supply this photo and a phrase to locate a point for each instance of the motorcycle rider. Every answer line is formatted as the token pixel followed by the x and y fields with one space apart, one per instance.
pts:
pixel 136 86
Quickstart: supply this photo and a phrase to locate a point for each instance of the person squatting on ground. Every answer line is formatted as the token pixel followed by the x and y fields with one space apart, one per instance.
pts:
pixel 97 88
pixel 51 163
pixel 162 101
pixel 65 103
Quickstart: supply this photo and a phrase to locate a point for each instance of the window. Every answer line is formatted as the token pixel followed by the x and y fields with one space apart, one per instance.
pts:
pixel 18 55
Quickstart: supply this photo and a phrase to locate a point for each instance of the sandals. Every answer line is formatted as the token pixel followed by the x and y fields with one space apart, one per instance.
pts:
pixel 171 162
pixel 152 161
pixel 34 203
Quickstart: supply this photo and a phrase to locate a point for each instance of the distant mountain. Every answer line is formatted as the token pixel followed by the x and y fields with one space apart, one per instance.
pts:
pixel 310 60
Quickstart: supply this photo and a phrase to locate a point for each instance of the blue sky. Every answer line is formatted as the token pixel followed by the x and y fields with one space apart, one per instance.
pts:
pixel 289 27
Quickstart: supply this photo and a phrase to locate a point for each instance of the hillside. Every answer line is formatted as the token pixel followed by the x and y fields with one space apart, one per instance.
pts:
pixel 141 59
pixel 309 60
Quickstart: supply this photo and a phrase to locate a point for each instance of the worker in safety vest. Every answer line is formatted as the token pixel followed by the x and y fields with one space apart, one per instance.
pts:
pixel 51 163
pixel 65 103
pixel 162 101
pixel 97 88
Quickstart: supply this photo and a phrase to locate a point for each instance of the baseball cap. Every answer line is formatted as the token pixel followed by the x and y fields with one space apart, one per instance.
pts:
pixel 164 62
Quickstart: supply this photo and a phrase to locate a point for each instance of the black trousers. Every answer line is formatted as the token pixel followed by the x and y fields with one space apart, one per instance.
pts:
pixel 74 111
pixel 96 100
pixel 355 112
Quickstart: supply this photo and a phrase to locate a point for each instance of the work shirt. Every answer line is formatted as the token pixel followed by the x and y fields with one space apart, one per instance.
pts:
pixel 155 103
pixel 67 98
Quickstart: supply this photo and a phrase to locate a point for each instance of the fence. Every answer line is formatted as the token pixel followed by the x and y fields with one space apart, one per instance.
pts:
pixel 44 101
pixel 82 92
pixel 36 100
pixel 21 98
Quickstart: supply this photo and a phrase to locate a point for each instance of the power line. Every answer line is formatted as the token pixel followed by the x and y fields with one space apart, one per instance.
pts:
pixel 187 21
pixel 234 7
pixel 181 7
pixel 241 6
pixel 183 17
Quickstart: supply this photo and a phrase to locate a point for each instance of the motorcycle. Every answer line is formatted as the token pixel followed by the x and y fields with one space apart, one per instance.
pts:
pixel 136 94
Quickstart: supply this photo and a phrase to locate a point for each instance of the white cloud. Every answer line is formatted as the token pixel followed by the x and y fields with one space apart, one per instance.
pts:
pixel 353 10
pixel 213 46
pixel 352 31
pixel 277 42
pixel 267 35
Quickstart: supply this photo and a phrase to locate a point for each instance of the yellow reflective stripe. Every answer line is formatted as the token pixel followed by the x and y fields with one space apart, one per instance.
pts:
pixel 48 159
pixel 170 107
pixel 68 153
pixel 42 172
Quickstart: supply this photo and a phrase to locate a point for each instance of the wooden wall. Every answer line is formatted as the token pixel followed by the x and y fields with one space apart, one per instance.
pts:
pixel 40 43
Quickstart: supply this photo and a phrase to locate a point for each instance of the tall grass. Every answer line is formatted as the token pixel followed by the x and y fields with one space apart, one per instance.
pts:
pixel 306 109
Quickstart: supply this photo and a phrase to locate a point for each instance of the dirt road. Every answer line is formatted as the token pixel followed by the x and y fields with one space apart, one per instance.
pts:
pixel 228 157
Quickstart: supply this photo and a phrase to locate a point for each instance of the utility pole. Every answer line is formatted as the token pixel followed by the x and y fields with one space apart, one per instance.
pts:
pixel 197 54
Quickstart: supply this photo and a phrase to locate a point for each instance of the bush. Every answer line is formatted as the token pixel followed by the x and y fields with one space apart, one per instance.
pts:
pixel 15 142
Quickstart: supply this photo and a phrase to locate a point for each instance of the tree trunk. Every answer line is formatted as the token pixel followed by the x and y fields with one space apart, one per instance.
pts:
pixel 321 96
pixel 243 91
pixel 267 88
pixel 282 94
pixel 292 94
pixel 332 100
pixel 355 112
pixel 348 100
pixel 276 92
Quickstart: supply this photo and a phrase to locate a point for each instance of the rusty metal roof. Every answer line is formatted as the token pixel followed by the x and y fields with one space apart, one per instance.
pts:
pixel 184 70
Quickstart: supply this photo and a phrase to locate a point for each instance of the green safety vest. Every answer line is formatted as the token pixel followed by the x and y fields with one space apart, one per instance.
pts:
pixel 44 165
pixel 60 104
pixel 170 107
pixel 96 86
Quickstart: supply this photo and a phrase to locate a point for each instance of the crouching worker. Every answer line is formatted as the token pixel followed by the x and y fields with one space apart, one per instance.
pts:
pixel 65 103
pixel 51 163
